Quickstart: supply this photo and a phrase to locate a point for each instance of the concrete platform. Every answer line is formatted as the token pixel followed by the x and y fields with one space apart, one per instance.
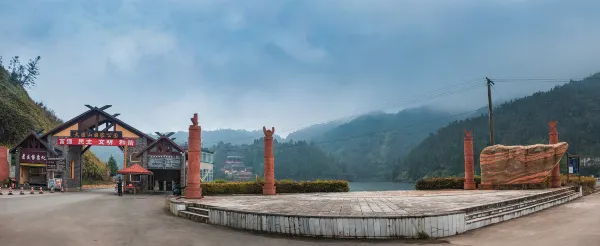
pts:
pixel 389 214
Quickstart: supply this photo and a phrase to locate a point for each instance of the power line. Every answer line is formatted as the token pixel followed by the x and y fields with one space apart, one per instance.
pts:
pixel 494 89
pixel 542 80
pixel 458 88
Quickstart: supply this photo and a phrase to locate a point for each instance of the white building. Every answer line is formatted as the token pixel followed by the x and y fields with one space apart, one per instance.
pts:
pixel 206 165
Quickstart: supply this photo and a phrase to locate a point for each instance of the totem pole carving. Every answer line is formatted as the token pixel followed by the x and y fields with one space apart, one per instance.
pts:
pixel 555 174
pixel 269 186
pixel 194 190
pixel 469 162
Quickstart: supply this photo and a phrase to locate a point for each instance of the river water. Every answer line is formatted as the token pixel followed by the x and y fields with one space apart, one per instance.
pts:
pixel 380 186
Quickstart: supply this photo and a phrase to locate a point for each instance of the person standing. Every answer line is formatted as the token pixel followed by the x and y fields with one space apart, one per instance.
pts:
pixel 120 186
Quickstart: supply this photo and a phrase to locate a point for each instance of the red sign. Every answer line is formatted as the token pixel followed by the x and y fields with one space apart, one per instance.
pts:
pixel 33 156
pixel 95 141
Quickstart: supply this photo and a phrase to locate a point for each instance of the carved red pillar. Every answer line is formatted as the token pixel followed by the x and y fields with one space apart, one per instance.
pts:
pixel 555 176
pixel 194 190
pixel 269 186
pixel 469 162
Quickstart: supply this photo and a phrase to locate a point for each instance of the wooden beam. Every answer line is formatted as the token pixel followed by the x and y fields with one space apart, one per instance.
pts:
pixel 159 134
pixel 169 134
pixel 88 106
pixel 104 107
pixel 115 115
pixel 108 126
pixel 85 149
pixel 97 121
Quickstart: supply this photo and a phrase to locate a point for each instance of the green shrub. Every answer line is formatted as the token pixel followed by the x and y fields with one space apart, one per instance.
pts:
pixel 220 181
pixel 588 182
pixel 458 182
pixel 283 186
pixel 443 183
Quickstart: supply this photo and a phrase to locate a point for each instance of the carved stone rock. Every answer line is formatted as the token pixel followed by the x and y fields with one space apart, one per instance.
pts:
pixel 269 186
pixel 194 190
pixel 513 165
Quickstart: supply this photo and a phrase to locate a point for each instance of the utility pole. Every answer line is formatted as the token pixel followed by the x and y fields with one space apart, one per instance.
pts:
pixel 491 113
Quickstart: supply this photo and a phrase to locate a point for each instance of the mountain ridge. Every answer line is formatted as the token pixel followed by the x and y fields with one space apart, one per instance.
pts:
pixel 575 105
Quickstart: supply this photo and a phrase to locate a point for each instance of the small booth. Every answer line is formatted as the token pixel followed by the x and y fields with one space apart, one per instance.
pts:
pixel 135 172
pixel 165 160
pixel 36 161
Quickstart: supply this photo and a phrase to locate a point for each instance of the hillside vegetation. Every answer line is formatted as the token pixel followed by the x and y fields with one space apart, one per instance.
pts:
pixel 370 146
pixel 297 160
pixel 523 121
pixel 19 114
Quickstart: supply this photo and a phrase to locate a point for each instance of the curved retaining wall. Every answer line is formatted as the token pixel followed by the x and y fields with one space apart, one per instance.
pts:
pixel 336 227
pixel 381 227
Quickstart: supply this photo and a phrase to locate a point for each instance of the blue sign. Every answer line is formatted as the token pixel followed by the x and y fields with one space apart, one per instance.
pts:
pixel 573 164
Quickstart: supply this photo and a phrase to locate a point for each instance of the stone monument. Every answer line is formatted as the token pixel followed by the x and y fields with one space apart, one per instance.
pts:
pixel 469 162
pixel 505 166
pixel 194 190
pixel 156 188
pixel 269 186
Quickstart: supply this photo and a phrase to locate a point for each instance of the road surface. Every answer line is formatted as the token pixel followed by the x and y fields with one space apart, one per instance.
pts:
pixel 100 218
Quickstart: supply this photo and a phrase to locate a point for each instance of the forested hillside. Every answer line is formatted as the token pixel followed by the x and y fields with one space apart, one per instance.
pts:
pixel 370 146
pixel 19 114
pixel 575 105
pixel 296 160
pixel 314 132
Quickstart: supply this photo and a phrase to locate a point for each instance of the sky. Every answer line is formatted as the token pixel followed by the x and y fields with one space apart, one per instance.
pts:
pixel 250 63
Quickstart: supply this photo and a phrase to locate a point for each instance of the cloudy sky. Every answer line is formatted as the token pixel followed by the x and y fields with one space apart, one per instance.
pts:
pixel 284 63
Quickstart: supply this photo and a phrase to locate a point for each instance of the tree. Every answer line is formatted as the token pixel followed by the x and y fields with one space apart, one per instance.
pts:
pixel 23 75
pixel 112 166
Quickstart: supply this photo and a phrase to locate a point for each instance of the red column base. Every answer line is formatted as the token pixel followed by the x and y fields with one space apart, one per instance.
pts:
pixel 269 190
pixel 470 185
pixel 193 193
pixel 555 177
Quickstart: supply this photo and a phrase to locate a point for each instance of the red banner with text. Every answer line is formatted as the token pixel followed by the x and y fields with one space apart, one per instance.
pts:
pixel 96 141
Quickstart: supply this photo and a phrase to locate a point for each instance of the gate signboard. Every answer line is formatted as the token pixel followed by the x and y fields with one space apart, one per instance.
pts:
pixel 56 164
pixel 32 156
pixel 166 162
pixel 96 141
pixel 96 134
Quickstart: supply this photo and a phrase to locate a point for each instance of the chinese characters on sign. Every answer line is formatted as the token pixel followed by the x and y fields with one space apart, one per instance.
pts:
pixel 33 156
pixel 96 141
pixel 96 134
pixel 56 164
pixel 164 162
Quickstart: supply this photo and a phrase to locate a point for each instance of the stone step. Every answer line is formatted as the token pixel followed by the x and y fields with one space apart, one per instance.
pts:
pixel 201 211
pixel 515 213
pixel 194 216
pixel 514 201
pixel 516 205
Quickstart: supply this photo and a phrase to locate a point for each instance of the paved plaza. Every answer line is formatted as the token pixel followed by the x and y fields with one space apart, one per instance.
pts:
pixel 365 204
pixel 100 218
